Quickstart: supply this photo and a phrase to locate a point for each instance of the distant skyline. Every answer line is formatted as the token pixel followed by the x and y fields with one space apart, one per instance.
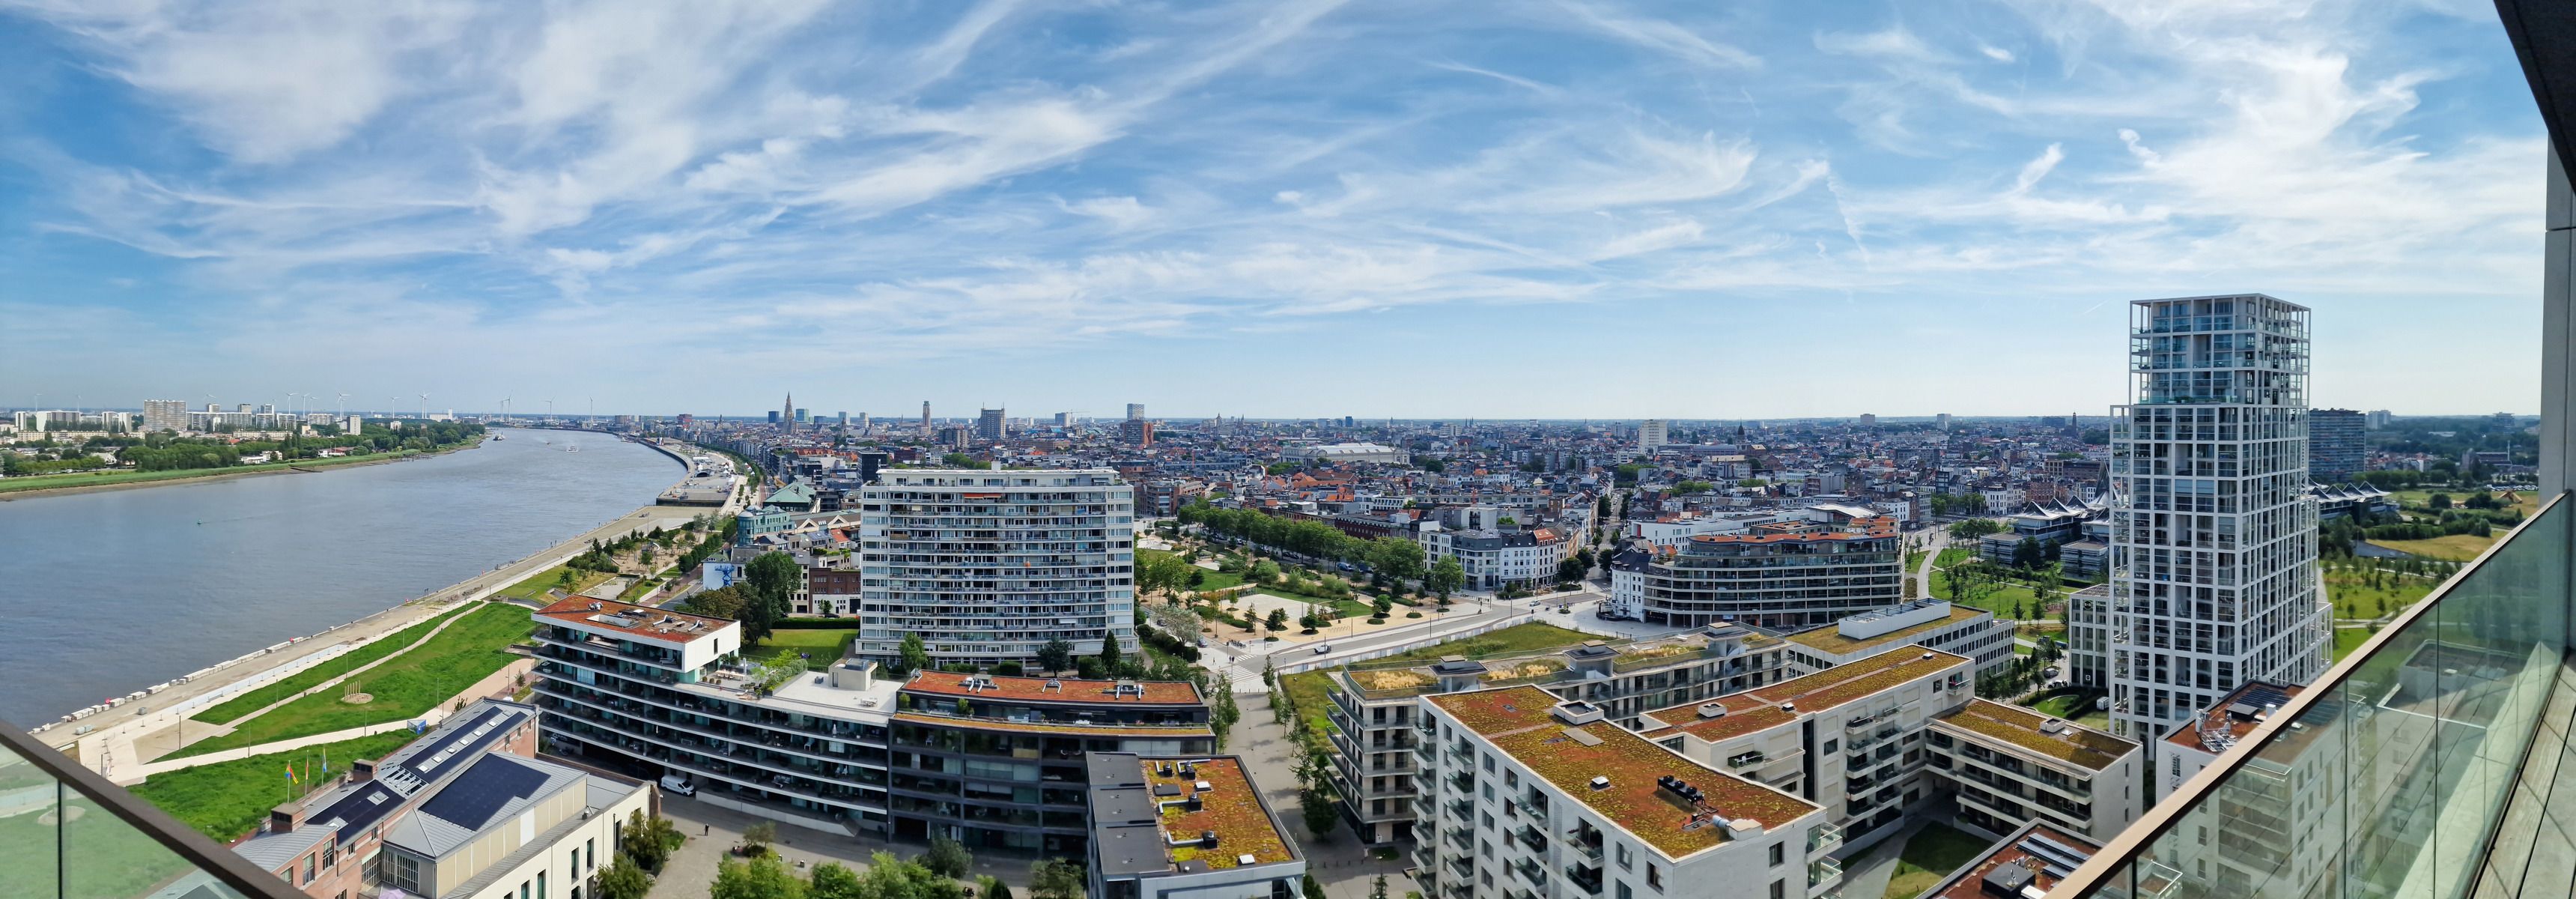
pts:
pixel 1302 209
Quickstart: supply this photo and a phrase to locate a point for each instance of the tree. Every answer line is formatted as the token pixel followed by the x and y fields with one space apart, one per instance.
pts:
pixel 1446 576
pixel 1317 806
pixel 1278 620
pixel 1222 712
pixel 1056 655
pixel 1109 660
pixel 1056 878
pixel 757 837
pixel 723 602
pixel 1384 605
pixel 2027 553
pixel 623 880
pixel 760 878
pixel 916 655
pixel 1313 890
pixel 1973 528
pixel 990 887
pixel 1570 570
pixel 649 840
pixel 1180 621
pixel 1377 888
pixel 833 880
pixel 769 581
pixel 947 858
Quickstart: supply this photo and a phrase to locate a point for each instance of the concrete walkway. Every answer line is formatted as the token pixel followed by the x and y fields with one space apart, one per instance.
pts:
pixel 498 683
pixel 714 831
pixel 1339 861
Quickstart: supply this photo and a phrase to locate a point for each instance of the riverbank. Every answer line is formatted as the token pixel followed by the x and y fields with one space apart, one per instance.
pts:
pixel 93 482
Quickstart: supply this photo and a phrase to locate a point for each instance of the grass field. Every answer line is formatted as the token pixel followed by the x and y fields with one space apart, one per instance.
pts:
pixel 2527 501
pixel 225 800
pixel 304 680
pixel 1999 601
pixel 1929 855
pixel 1208 580
pixel 1953 556
pixel 2354 598
pixel 2453 547
pixel 107 858
pixel 534 588
pixel 104 478
pixel 2068 705
pixel 2348 639
pixel 404 687
pixel 823 645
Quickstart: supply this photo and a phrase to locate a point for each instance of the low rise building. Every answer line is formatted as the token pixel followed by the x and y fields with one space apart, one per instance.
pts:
pixel 1546 799
pixel 1185 828
pixel 2026 862
pixel 1495 559
pixel 1849 739
pixel 1930 623
pixel 1373 706
pixel 1339 453
pixel 2010 766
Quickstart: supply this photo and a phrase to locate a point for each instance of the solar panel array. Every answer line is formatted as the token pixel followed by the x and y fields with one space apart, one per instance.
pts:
pixel 470 800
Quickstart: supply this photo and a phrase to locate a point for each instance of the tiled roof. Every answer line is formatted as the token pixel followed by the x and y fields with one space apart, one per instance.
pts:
pixel 1036 689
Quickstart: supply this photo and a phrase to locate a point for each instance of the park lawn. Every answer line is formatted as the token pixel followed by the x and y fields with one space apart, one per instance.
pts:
pixel 639 589
pixel 404 687
pixel 1953 556
pixel 1351 608
pixel 225 800
pixel 2354 598
pixel 1517 638
pixel 1284 593
pixel 2065 705
pixel 1309 690
pixel 2526 501
pixel 1999 600
pixel 225 712
pixel 2348 639
pixel 534 588
pixel 1930 855
pixel 2449 547
pixel 112 476
pixel 823 646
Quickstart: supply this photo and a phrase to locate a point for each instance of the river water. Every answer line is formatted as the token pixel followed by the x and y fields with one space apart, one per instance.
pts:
pixel 110 592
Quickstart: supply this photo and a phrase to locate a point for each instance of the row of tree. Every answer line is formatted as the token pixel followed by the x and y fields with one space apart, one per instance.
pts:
pixel 1393 557
pixel 936 874
pixel 759 600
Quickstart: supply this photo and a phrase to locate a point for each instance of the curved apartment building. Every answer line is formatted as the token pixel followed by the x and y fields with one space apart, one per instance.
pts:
pixel 1810 569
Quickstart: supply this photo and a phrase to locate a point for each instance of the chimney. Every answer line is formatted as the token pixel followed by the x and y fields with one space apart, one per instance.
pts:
pixel 362 770
pixel 285 818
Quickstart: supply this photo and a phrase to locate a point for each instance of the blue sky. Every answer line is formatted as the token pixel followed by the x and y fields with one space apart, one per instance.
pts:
pixel 1557 208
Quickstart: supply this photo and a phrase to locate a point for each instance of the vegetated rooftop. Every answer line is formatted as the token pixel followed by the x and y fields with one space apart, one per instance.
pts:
pixel 1759 708
pixel 2081 746
pixel 1230 806
pixel 1517 721
pixel 1829 638
pixel 630 619
pixel 1053 689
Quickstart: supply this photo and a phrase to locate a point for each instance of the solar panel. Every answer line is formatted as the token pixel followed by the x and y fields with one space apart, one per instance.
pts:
pixel 461 741
pixel 362 809
pixel 471 799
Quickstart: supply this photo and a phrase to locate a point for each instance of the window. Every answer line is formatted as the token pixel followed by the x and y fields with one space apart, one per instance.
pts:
pixel 308 869
pixel 1623 892
pixel 1830 744
pixel 590 850
pixel 1624 863
pixel 1779 889
pixel 330 855
pixel 541 885
pixel 1779 853
pixel 1654 877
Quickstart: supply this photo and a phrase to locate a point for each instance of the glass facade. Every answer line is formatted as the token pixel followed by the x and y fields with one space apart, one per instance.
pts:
pixel 65 834
pixel 2420 766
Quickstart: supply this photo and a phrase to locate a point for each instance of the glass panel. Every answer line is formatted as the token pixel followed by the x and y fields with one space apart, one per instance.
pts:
pixel 2393 779
pixel 46 828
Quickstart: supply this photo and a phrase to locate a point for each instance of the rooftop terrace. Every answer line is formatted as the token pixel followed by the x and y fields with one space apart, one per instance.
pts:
pixel 1051 689
pixel 1518 722
pixel 633 620
pixel 2074 744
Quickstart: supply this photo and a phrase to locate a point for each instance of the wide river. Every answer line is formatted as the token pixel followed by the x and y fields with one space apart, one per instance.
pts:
pixel 110 592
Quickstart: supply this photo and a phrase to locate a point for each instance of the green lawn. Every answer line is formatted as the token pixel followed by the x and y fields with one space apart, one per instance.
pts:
pixel 2453 547
pixel 2347 639
pixel 1308 690
pixel 1208 580
pixel 304 680
pixel 1999 601
pixel 1913 558
pixel 823 645
pixel 534 588
pixel 1517 638
pixel 404 687
pixel 1953 556
pixel 1929 855
pixel 2066 705
pixel 107 858
pixel 225 800
pixel 2354 597
pixel 100 478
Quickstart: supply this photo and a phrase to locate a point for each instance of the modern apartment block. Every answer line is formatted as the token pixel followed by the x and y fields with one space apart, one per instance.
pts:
pixel 1185 828
pixel 1650 436
pixel 2335 451
pixel 1807 570
pixel 1543 799
pixel 165 415
pixel 2027 862
pixel 1374 711
pixel 1494 559
pixel 990 427
pixel 987 565
pixel 2214 535
pixel 1848 739
pixel 986 761
pixel 1929 623
pixel 2008 767
pixel 2195 744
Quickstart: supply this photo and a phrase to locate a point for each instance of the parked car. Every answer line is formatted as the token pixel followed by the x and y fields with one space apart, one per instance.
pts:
pixel 1320 650
pixel 679 784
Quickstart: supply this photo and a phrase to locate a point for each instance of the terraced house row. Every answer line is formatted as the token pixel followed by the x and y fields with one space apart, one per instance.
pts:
pixel 988 761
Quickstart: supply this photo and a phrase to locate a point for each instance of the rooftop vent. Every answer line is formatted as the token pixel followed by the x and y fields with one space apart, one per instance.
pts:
pixel 1601 782
pixel 1712 710
pixel 1244 860
pixel 1054 686
pixel 1788 707
pixel 1576 713
pixel 1927 655
pixel 1204 786
pixel 2053 726
pixel 1742 828
pixel 1207 839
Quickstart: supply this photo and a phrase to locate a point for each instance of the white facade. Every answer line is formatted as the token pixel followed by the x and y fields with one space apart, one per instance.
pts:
pixel 2213 534
pixel 1344 452
pixel 989 564
pixel 1929 623
pixel 165 415
pixel 1650 436
pixel 1492 560
pixel 2010 766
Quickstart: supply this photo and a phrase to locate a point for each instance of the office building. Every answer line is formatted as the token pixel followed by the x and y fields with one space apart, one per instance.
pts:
pixel 1868 419
pixel 1063 420
pixel 802 417
pixel 1136 432
pixel 1373 707
pixel 1849 739
pixel 1650 436
pixel 1811 568
pixel 988 761
pixel 989 564
pixel 2214 535
pixel 773 416
pixel 1942 421
pixel 2008 767
pixel 1135 411
pixel 845 421
pixel 1928 623
pixel 2335 450
pixel 165 415
pixel 989 426
pixel 1185 828
pixel 1541 798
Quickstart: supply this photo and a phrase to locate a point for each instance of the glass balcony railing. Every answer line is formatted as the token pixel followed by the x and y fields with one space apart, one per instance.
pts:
pixel 2419 766
pixel 99 842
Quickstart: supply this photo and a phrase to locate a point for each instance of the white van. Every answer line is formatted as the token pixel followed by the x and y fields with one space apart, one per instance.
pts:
pixel 679 783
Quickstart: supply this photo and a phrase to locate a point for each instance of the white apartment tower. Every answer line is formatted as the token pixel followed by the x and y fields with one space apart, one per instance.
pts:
pixel 1650 436
pixel 2213 538
pixel 987 565
pixel 165 415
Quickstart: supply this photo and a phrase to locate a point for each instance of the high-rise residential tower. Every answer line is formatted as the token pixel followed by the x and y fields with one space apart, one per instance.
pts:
pixel 989 564
pixel 989 426
pixel 165 415
pixel 1650 436
pixel 925 418
pixel 2213 536
pixel 2335 451
pixel 1135 411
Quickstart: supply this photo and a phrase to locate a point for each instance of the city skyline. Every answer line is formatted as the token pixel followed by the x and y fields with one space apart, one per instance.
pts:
pixel 1706 199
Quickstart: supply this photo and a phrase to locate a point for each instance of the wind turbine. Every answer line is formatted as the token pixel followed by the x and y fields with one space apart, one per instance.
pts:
pixel 344 404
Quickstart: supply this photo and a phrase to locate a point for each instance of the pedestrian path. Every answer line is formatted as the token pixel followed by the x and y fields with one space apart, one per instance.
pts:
pixel 228 726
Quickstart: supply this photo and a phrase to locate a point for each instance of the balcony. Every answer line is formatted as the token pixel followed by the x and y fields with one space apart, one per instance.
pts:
pixel 1584 841
pixel 1585 878
pixel 2413 749
pixel 1823 838
pixel 109 837
pixel 1823 872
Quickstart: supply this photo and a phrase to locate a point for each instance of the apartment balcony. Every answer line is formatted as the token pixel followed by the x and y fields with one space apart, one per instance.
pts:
pixel 1461 809
pixel 1531 837
pixel 1824 873
pixel 1824 838
pixel 1585 878
pixel 1584 841
pixel 108 837
pixel 2422 755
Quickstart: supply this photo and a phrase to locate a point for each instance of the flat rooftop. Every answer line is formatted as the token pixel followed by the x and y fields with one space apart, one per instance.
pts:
pixel 2075 744
pixel 1829 638
pixel 1759 708
pixel 634 620
pixel 1104 729
pixel 1140 810
pixel 2238 713
pixel 1518 721
pixel 2029 861
pixel 1053 689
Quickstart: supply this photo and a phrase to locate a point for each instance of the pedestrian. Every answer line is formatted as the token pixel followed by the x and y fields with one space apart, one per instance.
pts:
pixel 704 829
